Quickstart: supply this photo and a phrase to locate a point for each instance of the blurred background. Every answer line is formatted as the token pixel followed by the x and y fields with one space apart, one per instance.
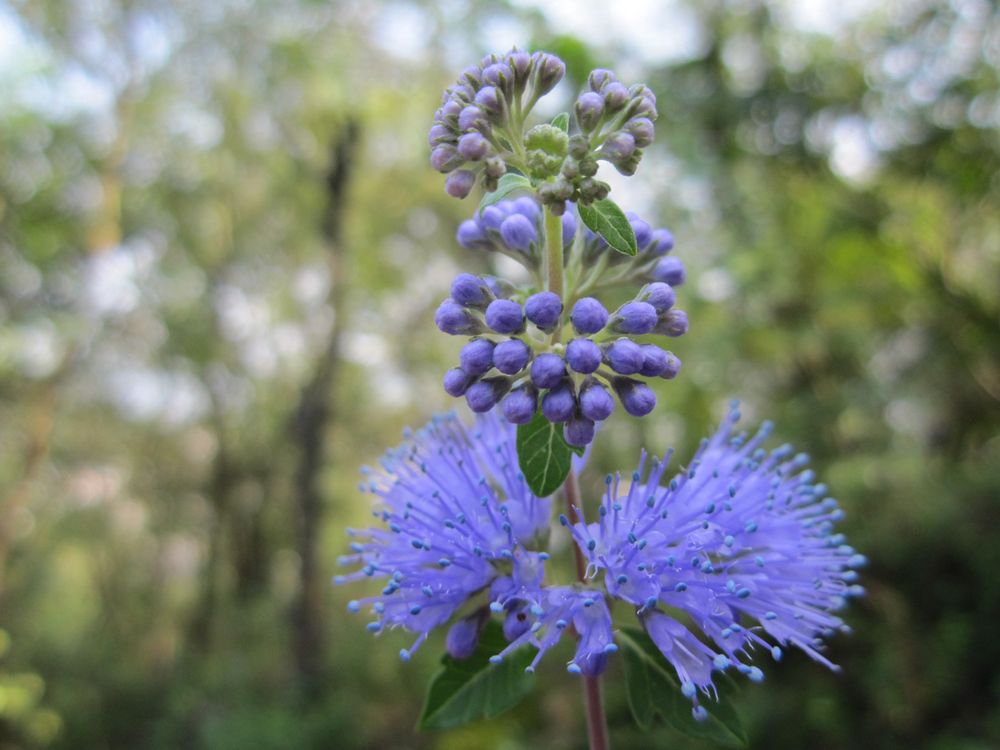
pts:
pixel 221 246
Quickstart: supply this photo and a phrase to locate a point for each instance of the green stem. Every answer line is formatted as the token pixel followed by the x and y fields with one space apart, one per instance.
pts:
pixel 553 253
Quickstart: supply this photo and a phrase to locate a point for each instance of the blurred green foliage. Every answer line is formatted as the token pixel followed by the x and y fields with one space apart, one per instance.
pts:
pixel 177 267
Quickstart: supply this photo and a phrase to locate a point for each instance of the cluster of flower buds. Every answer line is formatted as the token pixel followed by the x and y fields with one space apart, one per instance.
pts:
pixel 474 127
pixel 514 228
pixel 573 382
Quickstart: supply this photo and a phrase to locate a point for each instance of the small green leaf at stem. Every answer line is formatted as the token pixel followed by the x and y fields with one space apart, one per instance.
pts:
pixel 474 688
pixel 507 184
pixel 561 121
pixel 609 221
pixel 652 688
pixel 544 455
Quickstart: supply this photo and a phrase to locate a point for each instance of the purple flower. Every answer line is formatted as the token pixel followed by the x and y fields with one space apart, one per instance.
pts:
pixel 456 382
pixel 476 357
pixel 634 318
pixel 510 357
pixel 559 403
pixel 547 370
pixel 452 506
pixel 583 355
pixel 544 309
pixel 595 401
pixel 742 535
pixel 520 405
pixel 505 316
pixel 454 319
pixel 624 356
pixel 579 431
pixel 518 232
pixel 484 394
pixel 637 398
pixel 459 184
pixel 589 315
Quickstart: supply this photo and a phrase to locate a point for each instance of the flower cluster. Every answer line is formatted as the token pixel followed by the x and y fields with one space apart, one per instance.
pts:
pixel 742 536
pixel 572 382
pixel 473 129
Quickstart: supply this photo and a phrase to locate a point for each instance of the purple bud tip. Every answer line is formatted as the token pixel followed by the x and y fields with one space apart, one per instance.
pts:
pixel 589 108
pixel 634 318
pixel 599 78
pixel 505 316
pixel 520 405
pixel 547 370
pixel 469 290
pixel 673 323
pixel 471 118
pixel 470 235
pixel 673 367
pixel 550 70
pixel 518 232
pixel 488 100
pixel 583 355
pixel 671 271
pixel 595 402
pixel 663 242
pixel 491 218
pixel 624 356
pixel 527 207
pixel 637 398
pixel 510 357
pixel 456 382
pixel 438 134
pixel 655 361
pixel 579 431
pixel 616 96
pixel 568 227
pixel 544 309
pixel 445 158
pixel 476 357
pixel 473 147
pixel 454 319
pixel 459 184
pixel 559 404
pixel 643 232
pixel 483 395
pixel 642 130
pixel 589 315
pixel 659 294
pixel 498 74
pixel 618 147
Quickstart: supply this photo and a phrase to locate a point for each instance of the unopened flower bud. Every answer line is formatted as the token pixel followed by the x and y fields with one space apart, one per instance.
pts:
pixel 673 323
pixel 520 64
pixel 595 401
pixel 642 130
pixel 491 218
pixel 510 357
pixel 662 242
pixel 547 370
pixel 579 431
pixel 471 236
pixel 673 367
pixel 599 78
pixel 505 316
pixel 473 147
pixel 643 232
pixel 549 70
pixel 568 228
pixel 440 134
pixel 459 184
pixel 499 75
pixel 445 158
pixel 616 96
pixel 588 108
pixel 518 232
pixel 634 318
pixel 544 310
pixel 495 167
pixel 670 270
pixel 654 361
pixel 578 146
pixel 454 319
pixel 520 405
pixel 527 207
pixel 624 356
pixel 492 103
pixel 470 291
pixel 637 398
pixel 589 315
pixel 659 294
pixel 559 404
pixel 456 382
pixel 583 356
pixel 471 118
pixel 484 394
pixel 618 147
pixel 476 357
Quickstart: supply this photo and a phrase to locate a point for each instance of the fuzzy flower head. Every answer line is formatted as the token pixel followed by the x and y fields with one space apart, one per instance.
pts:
pixel 742 543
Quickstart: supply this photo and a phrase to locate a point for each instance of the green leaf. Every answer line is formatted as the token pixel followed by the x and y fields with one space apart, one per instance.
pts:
pixel 507 184
pixel 469 689
pixel 561 121
pixel 609 221
pixel 543 454
pixel 652 688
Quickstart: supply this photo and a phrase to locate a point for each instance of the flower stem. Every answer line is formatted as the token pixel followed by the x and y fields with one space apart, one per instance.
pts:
pixel 553 253
pixel 597 726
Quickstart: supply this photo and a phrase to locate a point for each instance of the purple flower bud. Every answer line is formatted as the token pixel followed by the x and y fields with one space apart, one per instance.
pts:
pixel 472 146
pixel 456 382
pixel 599 78
pixel 644 107
pixel 544 309
pixel 547 370
pixel 596 402
pixel 643 232
pixel 616 96
pixel 470 235
pixel 450 109
pixel 588 108
pixel 618 147
pixel 518 232
pixel 476 357
pixel 526 207
pixel 660 295
pixel 499 74
pixel 663 242
pixel 510 357
pixel 568 228
pixel 459 184
pixel 589 315
pixel 654 361
pixel 470 291
pixel 670 270
pixel 491 218
pixel 471 118
pixel 583 355
pixel 559 404
pixel 624 356
pixel 505 316
pixel 549 70
pixel 673 367
pixel 520 405
pixel 501 288
pixel 463 636
pixel 579 431
pixel 520 63
pixel 440 134
pixel 642 130
pixel 445 158
pixel 673 323
pixel 484 394
pixel 634 318
pixel 454 319
pixel 490 101
pixel 637 398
